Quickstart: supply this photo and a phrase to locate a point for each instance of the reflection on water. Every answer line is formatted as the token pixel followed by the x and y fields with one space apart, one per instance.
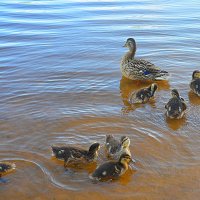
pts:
pixel 127 87
pixel 61 83
pixel 175 124
pixel 193 98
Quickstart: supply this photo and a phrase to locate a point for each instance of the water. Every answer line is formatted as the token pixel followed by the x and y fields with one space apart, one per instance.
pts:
pixel 61 83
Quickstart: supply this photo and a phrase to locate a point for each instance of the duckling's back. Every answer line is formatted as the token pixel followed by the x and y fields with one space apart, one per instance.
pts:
pixel 195 86
pixel 107 170
pixel 175 107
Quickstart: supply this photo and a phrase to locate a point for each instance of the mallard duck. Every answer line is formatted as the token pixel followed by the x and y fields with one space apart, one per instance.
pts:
pixel 6 167
pixel 176 106
pixel 143 95
pixel 195 83
pixel 138 69
pixel 67 153
pixel 112 169
pixel 115 148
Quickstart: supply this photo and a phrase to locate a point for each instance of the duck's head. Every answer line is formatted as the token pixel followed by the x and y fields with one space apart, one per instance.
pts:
pixel 125 158
pixel 125 142
pixel 175 93
pixel 131 44
pixel 94 148
pixel 196 74
pixel 153 87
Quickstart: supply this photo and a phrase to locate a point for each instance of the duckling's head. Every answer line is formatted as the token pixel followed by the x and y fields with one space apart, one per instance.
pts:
pixel 175 93
pixel 153 87
pixel 131 44
pixel 94 148
pixel 125 142
pixel 108 138
pixel 196 74
pixel 125 158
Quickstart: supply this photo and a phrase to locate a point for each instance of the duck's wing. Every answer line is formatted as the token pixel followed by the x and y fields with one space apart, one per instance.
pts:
pixel 64 152
pixel 140 96
pixel 143 94
pixel 146 64
pixel 107 170
pixel 145 70
pixel 78 153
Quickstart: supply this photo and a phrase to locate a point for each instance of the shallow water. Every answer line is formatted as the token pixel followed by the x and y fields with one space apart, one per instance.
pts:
pixel 61 83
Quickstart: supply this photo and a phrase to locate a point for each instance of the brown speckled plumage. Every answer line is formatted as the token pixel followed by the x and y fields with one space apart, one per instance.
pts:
pixel 176 106
pixel 143 95
pixel 112 169
pixel 67 153
pixel 138 69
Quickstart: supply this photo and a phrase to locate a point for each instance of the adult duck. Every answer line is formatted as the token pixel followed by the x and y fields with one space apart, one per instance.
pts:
pixel 138 69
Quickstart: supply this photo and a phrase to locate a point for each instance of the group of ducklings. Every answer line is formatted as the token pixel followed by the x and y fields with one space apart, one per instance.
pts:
pixel 138 69
pixel 117 150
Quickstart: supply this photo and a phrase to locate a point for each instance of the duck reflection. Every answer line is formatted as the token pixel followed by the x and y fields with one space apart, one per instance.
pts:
pixel 175 124
pixel 126 178
pixel 127 87
pixel 76 166
pixel 193 98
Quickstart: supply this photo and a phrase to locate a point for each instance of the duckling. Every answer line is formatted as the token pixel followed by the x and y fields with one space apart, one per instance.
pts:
pixel 138 69
pixel 195 83
pixel 176 106
pixel 67 153
pixel 112 169
pixel 115 148
pixel 6 167
pixel 143 95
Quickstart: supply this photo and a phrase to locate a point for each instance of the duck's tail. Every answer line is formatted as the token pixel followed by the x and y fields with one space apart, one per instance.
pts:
pixel 162 75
